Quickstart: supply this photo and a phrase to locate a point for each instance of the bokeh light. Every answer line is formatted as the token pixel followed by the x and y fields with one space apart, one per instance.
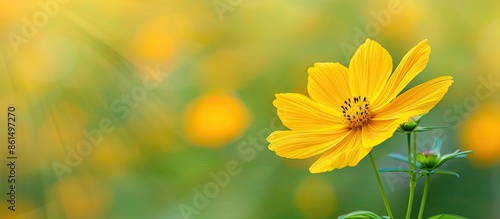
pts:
pixel 157 40
pixel 215 119
pixel 315 198
pixel 81 198
pixel 480 134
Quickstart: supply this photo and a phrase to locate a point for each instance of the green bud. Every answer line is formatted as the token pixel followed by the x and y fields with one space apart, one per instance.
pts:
pixel 409 126
pixel 428 159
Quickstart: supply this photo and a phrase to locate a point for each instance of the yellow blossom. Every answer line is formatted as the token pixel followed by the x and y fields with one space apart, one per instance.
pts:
pixel 351 110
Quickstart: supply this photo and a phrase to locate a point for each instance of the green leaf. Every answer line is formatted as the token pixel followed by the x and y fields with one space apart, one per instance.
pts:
pixel 429 128
pixel 436 148
pixel 450 156
pixel 360 215
pixel 398 157
pixel 393 169
pixel 400 129
pixel 447 216
pixel 444 172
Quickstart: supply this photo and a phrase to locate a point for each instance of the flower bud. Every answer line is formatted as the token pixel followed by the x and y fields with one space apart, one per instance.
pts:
pixel 428 159
pixel 409 126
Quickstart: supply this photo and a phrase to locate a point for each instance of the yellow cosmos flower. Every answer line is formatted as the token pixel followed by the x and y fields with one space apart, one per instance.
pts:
pixel 351 110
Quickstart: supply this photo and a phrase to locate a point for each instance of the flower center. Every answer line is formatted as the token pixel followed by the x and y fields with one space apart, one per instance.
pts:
pixel 356 111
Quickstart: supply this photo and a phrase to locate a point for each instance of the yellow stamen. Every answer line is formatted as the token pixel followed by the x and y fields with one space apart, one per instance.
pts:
pixel 356 111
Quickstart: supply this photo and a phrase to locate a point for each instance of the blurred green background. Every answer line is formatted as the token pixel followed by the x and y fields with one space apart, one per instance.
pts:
pixel 160 109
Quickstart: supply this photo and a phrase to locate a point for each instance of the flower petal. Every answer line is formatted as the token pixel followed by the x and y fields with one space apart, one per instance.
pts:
pixel 369 69
pixel 377 131
pixel 410 66
pixel 416 101
pixel 301 144
pixel 297 111
pixel 347 152
pixel 328 84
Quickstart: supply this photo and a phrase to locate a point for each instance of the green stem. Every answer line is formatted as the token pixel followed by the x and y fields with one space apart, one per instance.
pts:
pixel 384 197
pixel 415 156
pixel 424 196
pixel 411 173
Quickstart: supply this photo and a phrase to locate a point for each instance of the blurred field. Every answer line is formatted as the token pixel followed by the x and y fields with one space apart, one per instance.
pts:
pixel 160 109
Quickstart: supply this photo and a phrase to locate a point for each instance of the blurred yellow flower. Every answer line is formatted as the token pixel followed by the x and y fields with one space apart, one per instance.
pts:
pixel 59 128
pixel 112 159
pixel 12 13
pixel 24 210
pixel 215 119
pixel 158 39
pixel 480 134
pixel 81 198
pixel 41 57
pixel 315 198
pixel 402 26
pixel 351 110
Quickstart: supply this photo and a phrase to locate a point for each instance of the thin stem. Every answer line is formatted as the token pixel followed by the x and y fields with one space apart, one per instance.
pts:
pixel 411 173
pixel 410 159
pixel 414 155
pixel 424 196
pixel 384 197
